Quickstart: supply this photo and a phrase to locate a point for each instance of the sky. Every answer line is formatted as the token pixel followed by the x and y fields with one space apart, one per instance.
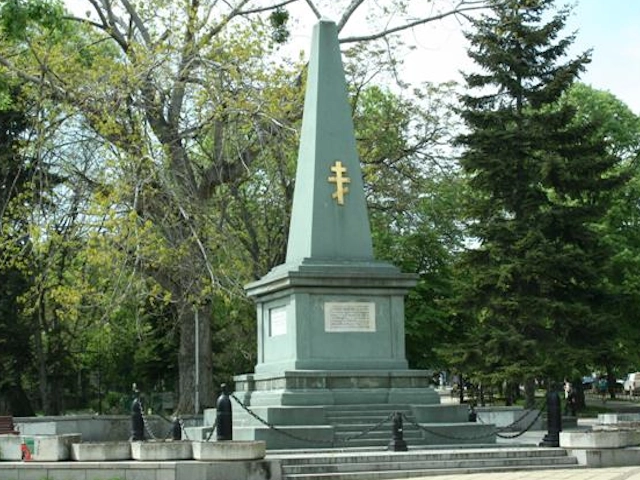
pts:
pixel 611 28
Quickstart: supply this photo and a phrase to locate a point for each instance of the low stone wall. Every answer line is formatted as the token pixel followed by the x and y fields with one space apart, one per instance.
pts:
pixel 96 428
pixel 514 419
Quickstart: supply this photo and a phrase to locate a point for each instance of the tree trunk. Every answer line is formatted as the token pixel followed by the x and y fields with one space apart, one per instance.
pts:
pixel 41 358
pixel 529 393
pixel 187 360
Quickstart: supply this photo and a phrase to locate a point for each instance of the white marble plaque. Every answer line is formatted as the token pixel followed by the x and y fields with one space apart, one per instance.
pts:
pixel 277 321
pixel 349 317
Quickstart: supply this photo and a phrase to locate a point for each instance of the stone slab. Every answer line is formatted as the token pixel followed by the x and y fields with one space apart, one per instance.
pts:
pixel 10 447
pixel 617 418
pixel 599 439
pixel 196 434
pixel 158 451
pixel 100 452
pixel 610 457
pixel 50 448
pixel 229 450
pixel 511 418
pixel 131 470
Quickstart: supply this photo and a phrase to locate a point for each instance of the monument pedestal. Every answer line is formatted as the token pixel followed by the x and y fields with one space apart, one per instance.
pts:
pixel 331 364
pixel 336 387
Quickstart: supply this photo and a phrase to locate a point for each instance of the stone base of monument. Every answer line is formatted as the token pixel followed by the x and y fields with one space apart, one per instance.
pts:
pixel 288 436
pixel 100 451
pixel 10 447
pixel 229 450
pixel 336 387
pixel 328 409
pixel 156 451
pixel 50 448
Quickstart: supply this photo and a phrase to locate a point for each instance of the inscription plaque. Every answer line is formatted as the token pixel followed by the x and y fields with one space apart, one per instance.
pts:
pixel 277 321
pixel 349 317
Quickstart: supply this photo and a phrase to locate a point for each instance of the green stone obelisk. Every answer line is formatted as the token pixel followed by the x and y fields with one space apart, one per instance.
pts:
pixel 331 305
pixel 330 320
pixel 329 219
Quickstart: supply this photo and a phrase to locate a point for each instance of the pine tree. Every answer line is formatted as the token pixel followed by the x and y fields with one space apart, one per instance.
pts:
pixel 540 181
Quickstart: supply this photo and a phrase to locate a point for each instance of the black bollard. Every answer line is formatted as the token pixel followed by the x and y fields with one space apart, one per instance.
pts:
pixel 224 420
pixel 397 443
pixel 176 429
pixel 473 415
pixel 137 422
pixel 554 421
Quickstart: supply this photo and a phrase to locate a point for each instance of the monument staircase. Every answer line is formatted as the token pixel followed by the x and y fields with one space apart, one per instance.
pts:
pixel 371 465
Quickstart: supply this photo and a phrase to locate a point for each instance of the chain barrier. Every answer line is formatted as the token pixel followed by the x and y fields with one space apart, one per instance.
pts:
pixel 147 427
pixel 276 429
pixel 526 412
pixel 525 430
pixel 213 429
pixel 371 429
pixel 496 431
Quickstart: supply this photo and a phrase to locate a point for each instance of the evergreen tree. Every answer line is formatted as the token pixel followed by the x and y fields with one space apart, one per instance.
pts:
pixel 533 284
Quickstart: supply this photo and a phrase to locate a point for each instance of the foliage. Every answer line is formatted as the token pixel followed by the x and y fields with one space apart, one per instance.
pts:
pixel 540 181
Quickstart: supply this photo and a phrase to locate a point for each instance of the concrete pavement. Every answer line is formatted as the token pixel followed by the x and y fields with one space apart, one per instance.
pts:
pixel 617 473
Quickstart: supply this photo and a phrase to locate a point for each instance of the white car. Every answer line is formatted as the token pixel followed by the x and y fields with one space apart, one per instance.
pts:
pixel 631 384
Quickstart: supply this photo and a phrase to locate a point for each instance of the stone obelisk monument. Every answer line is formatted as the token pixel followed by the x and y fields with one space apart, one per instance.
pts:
pixel 331 318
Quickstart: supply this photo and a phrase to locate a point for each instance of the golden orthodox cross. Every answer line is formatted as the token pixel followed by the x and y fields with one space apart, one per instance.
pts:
pixel 340 180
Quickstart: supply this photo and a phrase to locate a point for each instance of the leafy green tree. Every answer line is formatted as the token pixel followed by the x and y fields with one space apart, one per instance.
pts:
pixel 183 103
pixel 534 284
pixel 615 352
pixel 413 193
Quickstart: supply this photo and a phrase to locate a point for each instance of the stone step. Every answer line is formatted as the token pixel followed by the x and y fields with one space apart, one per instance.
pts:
pixel 367 406
pixel 397 474
pixel 305 457
pixel 379 465
pixel 368 415
pixel 379 433
pixel 359 427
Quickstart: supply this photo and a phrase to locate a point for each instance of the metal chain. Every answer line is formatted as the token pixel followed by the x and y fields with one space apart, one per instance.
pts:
pixel 543 405
pixel 371 429
pixel 273 427
pixel 343 442
pixel 526 429
pixel 182 429
pixel 147 427
pixel 213 429
pixel 495 431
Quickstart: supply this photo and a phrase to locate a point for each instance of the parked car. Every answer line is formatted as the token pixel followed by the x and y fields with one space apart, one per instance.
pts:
pixel 631 385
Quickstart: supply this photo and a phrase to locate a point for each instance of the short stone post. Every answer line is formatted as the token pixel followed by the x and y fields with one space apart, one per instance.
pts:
pixel 137 422
pixel 224 420
pixel 397 443
pixel 176 429
pixel 554 421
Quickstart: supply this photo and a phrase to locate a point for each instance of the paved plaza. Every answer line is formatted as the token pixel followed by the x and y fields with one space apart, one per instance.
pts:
pixel 617 473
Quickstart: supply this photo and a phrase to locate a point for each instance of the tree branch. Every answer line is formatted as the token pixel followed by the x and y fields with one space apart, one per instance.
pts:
pixel 348 12
pixel 137 21
pixel 420 21
pixel 223 23
pixel 314 9
pixel 266 9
